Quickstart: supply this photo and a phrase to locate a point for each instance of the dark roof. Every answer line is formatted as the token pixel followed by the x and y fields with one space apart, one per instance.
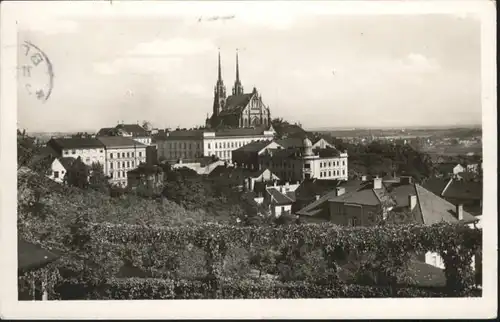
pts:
pixel 291 130
pixel 435 209
pixel 146 169
pixel 236 103
pixel 435 185
pixel 67 162
pixel 105 131
pixel 184 134
pixel 75 143
pixel 293 142
pixel 446 167
pixel 309 188
pixel 280 198
pixel 254 146
pixel 134 129
pixel 31 256
pixel 119 141
pixel 283 153
pixel 328 153
pixel 464 190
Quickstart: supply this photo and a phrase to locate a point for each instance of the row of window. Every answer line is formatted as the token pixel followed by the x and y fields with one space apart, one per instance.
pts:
pixel 329 164
pixel 173 145
pixel 118 174
pixel 123 164
pixel 124 155
pixel 323 174
pixel 217 145
pixel 282 164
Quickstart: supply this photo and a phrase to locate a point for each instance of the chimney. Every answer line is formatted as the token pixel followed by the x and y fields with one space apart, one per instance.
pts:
pixel 377 183
pixel 340 191
pixel 412 201
pixel 460 212
pixel 363 178
pixel 317 197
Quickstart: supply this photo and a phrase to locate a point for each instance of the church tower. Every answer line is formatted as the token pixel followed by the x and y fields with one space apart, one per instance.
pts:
pixel 238 88
pixel 219 94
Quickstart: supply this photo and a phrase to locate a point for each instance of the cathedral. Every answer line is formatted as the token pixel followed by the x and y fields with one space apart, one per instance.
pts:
pixel 239 110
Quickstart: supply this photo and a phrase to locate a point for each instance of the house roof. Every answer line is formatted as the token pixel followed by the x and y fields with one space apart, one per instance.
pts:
pixel 291 142
pixel 309 188
pixel 282 153
pixel 66 162
pixel 119 141
pixel 446 167
pixel 435 185
pixel 461 189
pixel 184 134
pixel 134 129
pixel 435 209
pixel 105 131
pixel 280 198
pixel 75 143
pixel 328 153
pixel 254 146
pixel 31 256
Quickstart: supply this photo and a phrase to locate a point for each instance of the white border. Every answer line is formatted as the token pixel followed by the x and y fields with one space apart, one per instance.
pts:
pixel 484 307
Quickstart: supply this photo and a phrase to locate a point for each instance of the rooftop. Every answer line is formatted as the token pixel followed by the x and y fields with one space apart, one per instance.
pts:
pixel 119 141
pixel 75 143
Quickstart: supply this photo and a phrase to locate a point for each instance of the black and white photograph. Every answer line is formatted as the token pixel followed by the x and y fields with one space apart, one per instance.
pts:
pixel 287 150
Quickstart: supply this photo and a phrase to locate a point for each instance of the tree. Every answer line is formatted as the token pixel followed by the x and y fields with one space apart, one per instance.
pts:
pixel 146 125
pixel 98 180
pixel 77 175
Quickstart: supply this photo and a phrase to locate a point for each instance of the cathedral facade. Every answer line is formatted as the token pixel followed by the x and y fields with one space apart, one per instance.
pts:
pixel 238 110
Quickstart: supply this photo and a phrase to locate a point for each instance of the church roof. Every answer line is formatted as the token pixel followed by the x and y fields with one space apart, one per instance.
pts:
pixel 236 103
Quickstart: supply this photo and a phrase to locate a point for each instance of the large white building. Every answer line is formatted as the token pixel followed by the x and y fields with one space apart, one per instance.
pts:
pixel 297 164
pixel 90 150
pixel 122 155
pixel 190 144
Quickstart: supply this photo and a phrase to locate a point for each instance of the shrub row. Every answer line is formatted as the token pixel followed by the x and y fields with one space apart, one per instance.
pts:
pixel 137 288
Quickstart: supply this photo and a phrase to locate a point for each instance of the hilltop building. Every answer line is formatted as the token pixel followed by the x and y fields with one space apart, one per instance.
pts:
pixel 239 110
pixel 133 131
pixel 191 144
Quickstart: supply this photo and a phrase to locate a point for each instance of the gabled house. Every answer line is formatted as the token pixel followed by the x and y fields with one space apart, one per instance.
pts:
pixel 376 202
pixel 458 191
pixel 247 156
pixel 59 167
pixel 449 169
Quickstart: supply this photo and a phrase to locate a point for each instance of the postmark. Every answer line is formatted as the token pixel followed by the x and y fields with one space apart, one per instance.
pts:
pixel 35 72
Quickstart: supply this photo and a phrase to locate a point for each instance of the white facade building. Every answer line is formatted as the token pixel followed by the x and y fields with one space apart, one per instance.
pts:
pixel 122 155
pixel 189 144
pixel 90 150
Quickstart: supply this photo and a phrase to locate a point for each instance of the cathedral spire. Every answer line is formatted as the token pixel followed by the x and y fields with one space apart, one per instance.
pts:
pixel 220 69
pixel 238 88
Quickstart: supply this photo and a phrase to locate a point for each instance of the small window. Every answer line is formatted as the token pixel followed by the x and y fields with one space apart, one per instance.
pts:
pixel 209 145
pixel 329 173
pixel 132 154
pixel 132 164
pixel 140 154
pixel 100 151
pixel 123 164
pixel 321 174
pixel 111 155
pixel 123 154
pixel 111 165
pixel 73 151
pixel 56 174
pixel 128 164
pixel 128 154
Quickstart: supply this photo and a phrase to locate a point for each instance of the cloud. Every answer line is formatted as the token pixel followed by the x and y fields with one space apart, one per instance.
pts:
pixel 417 63
pixel 155 57
pixel 173 47
pixel 138 65
pixel 48 26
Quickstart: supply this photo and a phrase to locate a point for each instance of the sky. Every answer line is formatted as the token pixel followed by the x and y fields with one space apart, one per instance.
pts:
pixel 319 70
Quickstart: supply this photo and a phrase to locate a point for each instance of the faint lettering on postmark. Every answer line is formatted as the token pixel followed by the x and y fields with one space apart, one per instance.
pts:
pixel 35 72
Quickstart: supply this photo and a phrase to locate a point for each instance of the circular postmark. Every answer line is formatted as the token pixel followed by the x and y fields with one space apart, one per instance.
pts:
pixel 36 75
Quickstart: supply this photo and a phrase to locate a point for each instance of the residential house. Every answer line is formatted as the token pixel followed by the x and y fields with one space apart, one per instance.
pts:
pixel 279 198
pixel 298 142
pixel 247 156
pixel 295 164
pixel 395 202
pixel 59 168
pixel 90 150
pixel 189 144
pixel 449 169
pixel 122 155
pixel 458 191
pixel 134 131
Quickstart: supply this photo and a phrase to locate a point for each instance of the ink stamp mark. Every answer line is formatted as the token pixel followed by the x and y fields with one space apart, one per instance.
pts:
pixel 36 74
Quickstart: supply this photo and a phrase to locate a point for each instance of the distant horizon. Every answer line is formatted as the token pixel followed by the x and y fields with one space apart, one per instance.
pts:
pixel 319 129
